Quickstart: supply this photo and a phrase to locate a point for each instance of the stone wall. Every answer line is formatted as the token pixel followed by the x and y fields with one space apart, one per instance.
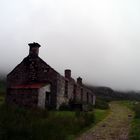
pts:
pixel 76 92
pixel 23 97
pixel 61 91
pixel 34 70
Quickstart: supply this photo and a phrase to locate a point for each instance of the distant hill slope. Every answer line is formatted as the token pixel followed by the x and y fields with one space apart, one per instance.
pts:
pixel 110 94
pixel 2 85
pixel 101 92
pixel 2 76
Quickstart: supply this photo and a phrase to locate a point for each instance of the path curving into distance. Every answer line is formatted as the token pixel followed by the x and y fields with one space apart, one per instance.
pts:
pixel 115 126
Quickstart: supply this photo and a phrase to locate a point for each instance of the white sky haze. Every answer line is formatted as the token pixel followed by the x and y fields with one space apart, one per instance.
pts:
pixel 98 40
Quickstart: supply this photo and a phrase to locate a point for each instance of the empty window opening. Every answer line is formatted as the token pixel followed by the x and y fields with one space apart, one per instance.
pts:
pixel 66 88
pixel 48 98
pixel 87 97
pixel 81 94
pixel 74 92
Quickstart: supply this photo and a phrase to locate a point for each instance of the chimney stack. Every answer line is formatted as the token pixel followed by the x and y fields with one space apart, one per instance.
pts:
pixel 79 80
pixel 68 73
pixel 34 49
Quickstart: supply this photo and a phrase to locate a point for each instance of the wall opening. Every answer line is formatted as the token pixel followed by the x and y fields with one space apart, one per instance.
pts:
pixel 74 92
pixel 81 94
pixel 48 99
pixel 87 97
pixel 66 88
pixel 44 96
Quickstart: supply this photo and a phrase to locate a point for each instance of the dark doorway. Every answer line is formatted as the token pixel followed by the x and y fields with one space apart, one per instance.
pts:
pixel 48 100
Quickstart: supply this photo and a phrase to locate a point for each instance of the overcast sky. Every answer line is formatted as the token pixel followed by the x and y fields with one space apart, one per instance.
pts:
pixel 98 40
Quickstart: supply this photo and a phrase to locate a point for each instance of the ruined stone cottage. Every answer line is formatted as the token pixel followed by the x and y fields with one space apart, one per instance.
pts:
pixel 33 83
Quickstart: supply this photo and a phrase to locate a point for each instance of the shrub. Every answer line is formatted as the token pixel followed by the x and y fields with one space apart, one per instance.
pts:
pixel 102 104
pixel 137 110
pixel 21 124
pixel 64 107
pixel 135 130
pixel 90 107
pixel 85 118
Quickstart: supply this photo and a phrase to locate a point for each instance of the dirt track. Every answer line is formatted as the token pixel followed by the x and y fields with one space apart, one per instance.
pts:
pixel 114 127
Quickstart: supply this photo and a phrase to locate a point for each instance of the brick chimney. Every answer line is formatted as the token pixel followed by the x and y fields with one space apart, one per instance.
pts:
pixel 79 80
pixel 68 73
pixel 34 49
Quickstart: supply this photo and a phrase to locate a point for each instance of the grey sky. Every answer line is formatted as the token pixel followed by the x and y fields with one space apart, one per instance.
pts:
pixel 98 40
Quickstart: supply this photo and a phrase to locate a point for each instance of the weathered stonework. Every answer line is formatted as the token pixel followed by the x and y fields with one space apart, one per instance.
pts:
pixel 23 97
pixel 33 83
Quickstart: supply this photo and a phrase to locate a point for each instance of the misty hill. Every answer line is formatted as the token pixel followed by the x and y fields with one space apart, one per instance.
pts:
pixel 110 94
pixel 101 92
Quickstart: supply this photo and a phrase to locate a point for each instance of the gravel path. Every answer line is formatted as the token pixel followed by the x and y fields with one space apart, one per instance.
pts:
pixel 114 127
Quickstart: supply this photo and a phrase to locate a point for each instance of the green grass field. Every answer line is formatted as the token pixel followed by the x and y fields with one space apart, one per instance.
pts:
pixel 18 123
pixel 135 131
pixel 135 126
pixel 2 87
pixel 100 114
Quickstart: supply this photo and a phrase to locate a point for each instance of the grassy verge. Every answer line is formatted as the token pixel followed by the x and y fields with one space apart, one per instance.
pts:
pixel 18 123
pixel 135 130
pixel 2 92
pixel 129 104
pixel 100 114
pixel 135 126
pixel 2 88
pixel 2 100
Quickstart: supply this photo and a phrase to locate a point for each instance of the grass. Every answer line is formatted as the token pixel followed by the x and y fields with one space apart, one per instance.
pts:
pixel 63 113
pixel 19 123
pixel 129 104
pixel 112 124
pixel 2 88
pixel 135 130
pixel 101 104
pixel 100 114
pixel 135 126
pixel 2 92
pixel 1 100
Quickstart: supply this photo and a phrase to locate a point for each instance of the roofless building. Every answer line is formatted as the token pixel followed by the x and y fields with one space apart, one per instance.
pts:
pixel 35 84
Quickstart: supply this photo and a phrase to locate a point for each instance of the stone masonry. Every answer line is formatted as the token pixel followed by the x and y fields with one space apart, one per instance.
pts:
pixel 33 83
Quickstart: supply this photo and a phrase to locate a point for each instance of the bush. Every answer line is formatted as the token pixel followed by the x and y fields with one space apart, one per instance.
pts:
pixel 2 88
pixel 102 104
pixel 135 130
pixel 21 124
pixel 137 110
pixel 64 107
pixel 90 107
pixel 86 118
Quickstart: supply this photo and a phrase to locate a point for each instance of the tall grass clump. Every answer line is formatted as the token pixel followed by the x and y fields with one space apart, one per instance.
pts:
pixel 102 104
pixel 2 88
pixel 137 110
pixel 21 124
pixel 135 130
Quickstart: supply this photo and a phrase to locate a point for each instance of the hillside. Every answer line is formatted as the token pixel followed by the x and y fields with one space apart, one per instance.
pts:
pixel 110 94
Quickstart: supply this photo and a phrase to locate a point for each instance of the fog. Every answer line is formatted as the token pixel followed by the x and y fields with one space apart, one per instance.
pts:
pixel 97 39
